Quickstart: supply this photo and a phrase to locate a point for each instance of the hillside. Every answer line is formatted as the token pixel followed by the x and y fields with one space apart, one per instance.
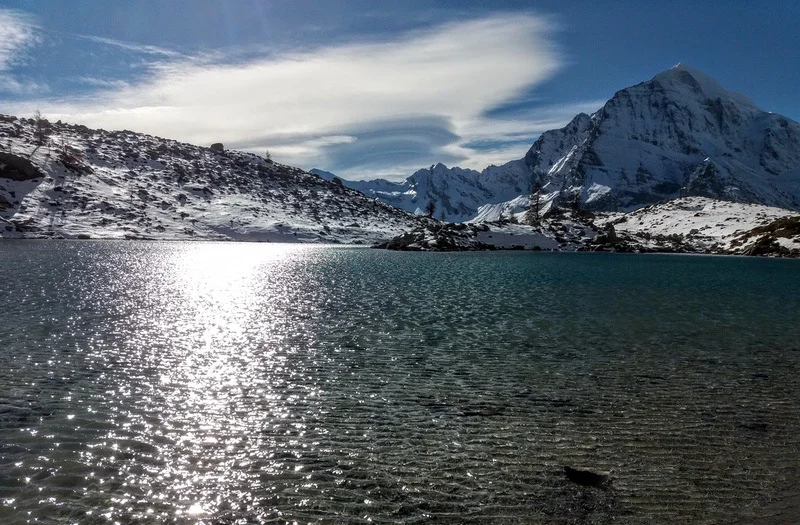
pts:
pixel 678 134
pixel 84 183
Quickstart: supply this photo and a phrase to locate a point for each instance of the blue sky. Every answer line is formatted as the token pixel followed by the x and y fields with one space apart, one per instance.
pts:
pixel 376 88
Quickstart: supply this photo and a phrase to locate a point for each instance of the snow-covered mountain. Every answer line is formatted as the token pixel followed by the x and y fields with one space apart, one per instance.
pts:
pixel 60 180
pixel 678 134
pixel 456 193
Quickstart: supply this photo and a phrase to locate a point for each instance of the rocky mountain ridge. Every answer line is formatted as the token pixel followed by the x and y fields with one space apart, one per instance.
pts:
pixel 678 134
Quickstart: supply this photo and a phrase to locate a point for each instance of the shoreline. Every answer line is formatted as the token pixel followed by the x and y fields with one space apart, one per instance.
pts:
pixel 414 250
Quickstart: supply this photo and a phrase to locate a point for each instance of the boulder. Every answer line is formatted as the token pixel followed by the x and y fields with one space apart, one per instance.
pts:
pixel 217 146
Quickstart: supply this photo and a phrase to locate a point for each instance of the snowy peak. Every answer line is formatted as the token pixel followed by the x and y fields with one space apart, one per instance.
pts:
pixel 683 80
pixel 680 133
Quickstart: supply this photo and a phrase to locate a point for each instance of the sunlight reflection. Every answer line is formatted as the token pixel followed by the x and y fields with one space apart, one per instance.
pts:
pixel 227 317
pixel 218 267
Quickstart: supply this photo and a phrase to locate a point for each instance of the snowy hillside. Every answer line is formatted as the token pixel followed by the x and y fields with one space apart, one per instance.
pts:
pixel 119 184
pixel 708 225
pixel 678 134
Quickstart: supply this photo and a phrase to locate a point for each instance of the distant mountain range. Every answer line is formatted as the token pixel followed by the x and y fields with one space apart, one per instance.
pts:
pixel 60 180
pixel 678 134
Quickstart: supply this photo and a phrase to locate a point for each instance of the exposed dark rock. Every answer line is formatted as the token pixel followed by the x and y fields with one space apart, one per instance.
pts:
pixel 611 234
pixel 767 238
pixel 217 146
pixel 766 245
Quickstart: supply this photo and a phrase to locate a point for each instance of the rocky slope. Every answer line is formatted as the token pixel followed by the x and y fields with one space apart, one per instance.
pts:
pixel 678 134
pixel 60 180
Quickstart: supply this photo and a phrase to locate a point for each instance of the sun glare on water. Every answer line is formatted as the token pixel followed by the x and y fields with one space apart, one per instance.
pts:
pixel 222 313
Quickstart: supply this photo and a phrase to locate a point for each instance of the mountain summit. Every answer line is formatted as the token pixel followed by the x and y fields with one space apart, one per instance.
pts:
pixel 678 134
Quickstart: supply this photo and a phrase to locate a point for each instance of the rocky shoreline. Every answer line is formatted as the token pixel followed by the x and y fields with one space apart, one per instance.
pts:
pixel 651 230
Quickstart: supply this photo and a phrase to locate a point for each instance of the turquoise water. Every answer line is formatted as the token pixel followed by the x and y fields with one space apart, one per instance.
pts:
pixel 258 383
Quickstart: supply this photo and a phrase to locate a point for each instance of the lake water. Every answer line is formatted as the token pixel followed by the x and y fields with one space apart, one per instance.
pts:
pixel 249 383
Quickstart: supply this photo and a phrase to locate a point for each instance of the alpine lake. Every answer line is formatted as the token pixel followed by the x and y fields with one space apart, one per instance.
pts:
pixel 238 383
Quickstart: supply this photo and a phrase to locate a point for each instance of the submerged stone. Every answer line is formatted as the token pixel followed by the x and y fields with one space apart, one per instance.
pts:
pixel 585 477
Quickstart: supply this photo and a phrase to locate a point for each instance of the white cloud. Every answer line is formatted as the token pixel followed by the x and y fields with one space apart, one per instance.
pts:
pixel 300 106
pixel 21 86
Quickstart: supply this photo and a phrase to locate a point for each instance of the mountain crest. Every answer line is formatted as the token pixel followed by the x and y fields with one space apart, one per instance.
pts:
pixel 678 134
pixel 682 77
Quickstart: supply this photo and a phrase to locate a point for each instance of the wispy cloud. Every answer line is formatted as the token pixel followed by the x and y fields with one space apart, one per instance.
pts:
pixel 132 46
pixel 486 140
pixel 21 86
pixel 18 33
pixel 102 82
pixel 361 108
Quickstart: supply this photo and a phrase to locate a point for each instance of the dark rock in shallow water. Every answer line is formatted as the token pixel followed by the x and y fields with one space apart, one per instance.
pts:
pixel 586 478
pixel 756 424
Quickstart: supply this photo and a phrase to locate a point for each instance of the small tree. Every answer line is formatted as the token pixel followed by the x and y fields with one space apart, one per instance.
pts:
pixel 267 156
pixel 532 215
pixel 39 127
pixel 430 208
pixel 576 201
